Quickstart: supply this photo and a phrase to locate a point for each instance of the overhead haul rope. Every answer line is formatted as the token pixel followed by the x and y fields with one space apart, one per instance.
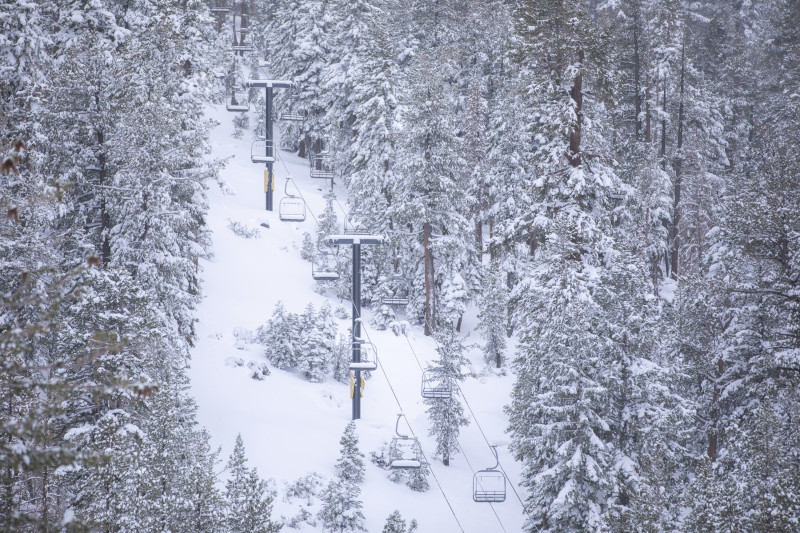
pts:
pixel 388 382
pixel 475 418
pixel 400 406
pixel 416 358
pixel 463 452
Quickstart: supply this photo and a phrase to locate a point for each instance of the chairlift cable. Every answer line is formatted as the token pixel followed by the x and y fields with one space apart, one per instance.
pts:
pixel 472 413
pixel 413 434
pixel 464 453
pixel 459 444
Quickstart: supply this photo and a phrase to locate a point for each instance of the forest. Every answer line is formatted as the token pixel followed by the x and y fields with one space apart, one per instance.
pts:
pixel 613 184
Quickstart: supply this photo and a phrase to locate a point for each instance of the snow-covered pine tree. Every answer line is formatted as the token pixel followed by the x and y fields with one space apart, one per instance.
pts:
pixel 431 202
pixel 492 318
pixel 248 498
pixel 560 419
pixel 340 359
pixel 350 466
pixel 446 415
pixel 315 348
pixel 106 493
pixel 341 508
pixel 396 524
pixel 279 337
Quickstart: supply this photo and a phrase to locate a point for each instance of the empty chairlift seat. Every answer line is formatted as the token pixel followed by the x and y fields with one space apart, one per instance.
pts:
pixel 369 356
pixel 489 485
pixel 404 451
pixel 401 291
pixel 321 167
pixel 261 151
pixel 293 116
pixel 237 101
pixel 291 208
pixel 220 7
pixel 324 267
pixel 433 384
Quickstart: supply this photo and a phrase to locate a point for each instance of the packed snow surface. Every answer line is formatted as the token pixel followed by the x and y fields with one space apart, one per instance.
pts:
pixel 292 427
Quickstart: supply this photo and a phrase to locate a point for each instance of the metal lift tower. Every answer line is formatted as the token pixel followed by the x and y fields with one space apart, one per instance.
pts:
pixel 356 241
pixel 269 150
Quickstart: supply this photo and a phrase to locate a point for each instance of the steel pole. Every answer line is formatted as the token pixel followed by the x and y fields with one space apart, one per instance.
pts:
pixel 269 148
pixel 357 328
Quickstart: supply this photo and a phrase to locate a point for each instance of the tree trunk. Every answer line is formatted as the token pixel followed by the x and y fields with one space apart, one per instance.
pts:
pixel 676 198
pixel 637 99
pixel 105 218
pixel 576 93
pixel 428 260
pixel 479 239
pixel 647 136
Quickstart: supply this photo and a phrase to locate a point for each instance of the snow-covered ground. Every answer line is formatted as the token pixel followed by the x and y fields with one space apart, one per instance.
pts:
pixel 292 427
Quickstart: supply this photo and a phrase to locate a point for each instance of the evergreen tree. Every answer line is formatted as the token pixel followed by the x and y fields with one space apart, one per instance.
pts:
pixel 492 319
pixel 316 345
pixel 446 415
pixel 279 336
pixel 430 200
pixel 396 524
pixel 341 508
pixel 248 498
pixel 350 466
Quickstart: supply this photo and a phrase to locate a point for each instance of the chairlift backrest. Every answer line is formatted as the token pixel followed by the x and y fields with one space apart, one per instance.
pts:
pixel 433 385
pixel 324 267
pixel 262 151
pixel 368 355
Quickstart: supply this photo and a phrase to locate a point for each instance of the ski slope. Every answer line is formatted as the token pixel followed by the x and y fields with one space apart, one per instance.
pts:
pixel 292 427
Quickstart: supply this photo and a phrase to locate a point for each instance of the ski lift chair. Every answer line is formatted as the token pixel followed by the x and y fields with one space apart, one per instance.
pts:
pixel 369 357
pixel 404 451
pixel 353 226
pixel 489 485
pixel 433 386
pixel 397 299
pixel 291 208
pixel 237 104
pixel 321 266
pixel 261 151
pixel 321 167
pixel 299 116
pixel 219 7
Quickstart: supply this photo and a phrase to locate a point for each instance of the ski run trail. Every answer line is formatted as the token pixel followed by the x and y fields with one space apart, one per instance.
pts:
pixel 292 427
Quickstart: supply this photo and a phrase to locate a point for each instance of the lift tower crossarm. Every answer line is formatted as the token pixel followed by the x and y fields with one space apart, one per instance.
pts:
pixel 355 239
pixel 277 84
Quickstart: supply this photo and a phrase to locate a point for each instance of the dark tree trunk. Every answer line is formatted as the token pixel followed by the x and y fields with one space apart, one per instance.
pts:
pixel 637 99
pixel 430 315
pixel 576 93
pixel 479 239
pixel 676 198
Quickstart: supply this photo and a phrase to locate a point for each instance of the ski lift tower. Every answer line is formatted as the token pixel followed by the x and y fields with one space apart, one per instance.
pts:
pixel 356 240
pixel 269 144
